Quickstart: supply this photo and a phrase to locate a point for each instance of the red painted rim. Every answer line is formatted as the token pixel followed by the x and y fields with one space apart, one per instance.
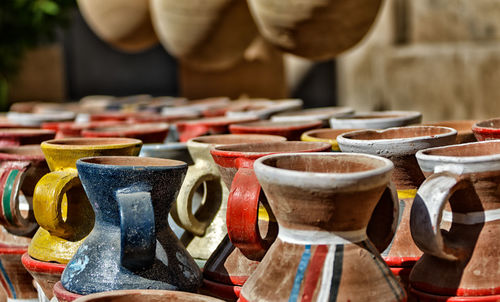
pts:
pixel 220 290
pixel 456 292
pixel 401 261
pixel 12 250
pixel 268 126
pixel 438 298
pixel 37 266
pixel 64 295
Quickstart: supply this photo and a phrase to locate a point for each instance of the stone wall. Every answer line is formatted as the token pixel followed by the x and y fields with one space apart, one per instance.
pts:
pixel 441 57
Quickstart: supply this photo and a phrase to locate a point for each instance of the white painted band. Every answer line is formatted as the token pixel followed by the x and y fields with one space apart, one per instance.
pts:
pixel 21 300
pixel 320 237
pixel 471 217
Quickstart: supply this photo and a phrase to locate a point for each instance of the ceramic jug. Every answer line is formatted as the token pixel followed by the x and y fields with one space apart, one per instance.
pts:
pixel 131 239
pixel 400 145
pixel 455 222
pixel 323 203
pixel 206 227
pixel 59 202
pixel 250 223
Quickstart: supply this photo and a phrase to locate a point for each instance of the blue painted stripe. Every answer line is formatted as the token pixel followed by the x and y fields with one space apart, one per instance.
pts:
pixel 7 279
pixel 294 296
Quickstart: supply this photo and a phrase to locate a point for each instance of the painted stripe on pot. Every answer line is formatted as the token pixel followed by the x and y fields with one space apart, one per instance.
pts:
pixel 304 261
pixel 7 284
pixel 406 194
pixel 471 217
pixel 7 194
pixel 313 272
pixel 305 237
pixel 337 273
pixel 326 277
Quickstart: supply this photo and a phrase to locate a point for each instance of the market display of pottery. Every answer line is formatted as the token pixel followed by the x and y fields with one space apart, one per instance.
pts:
pixel 234 206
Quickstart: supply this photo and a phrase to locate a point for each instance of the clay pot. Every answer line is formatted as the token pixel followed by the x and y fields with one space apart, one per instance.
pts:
pixel 263 110
pixel 197 106
pixel 325 135
pixel 317 30
pixel 37 119
pixel 177 151
pixel 74 129
pixel 131 197
pixel 206 228
pixel 464 129
pixel 46 274
pixel 126 25
pixel 313 114
pixel 376 120
pixel 460 261
pixel 146 296
pixel 228 267
pixel 148 133
pixel 217 125
pixel 487 130
pixel 16 282
pixel 12 137
pixel 400 146
pixel 323 203
pixel 208 35
pixel 291 130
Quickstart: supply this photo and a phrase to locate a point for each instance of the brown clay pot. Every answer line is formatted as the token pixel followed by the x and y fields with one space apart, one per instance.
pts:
pixel 323 203
pixel 314 29
pixel 12 137
pixel 399 145
pixel 148 133
pixel 146 296
pixel 463 127
pixel 325 135
pixel 206 35
pixel 124 24
pixel 216 125
pixel 291 130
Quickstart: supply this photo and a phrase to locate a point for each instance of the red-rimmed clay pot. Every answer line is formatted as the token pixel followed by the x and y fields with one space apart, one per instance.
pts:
pixel 63 295
pixel 399 145
pixel 312 114
pixel 147 133
pixel 37 119
pixel 323 203
pixel 264 109
pixel 455 222
pixel 325 135
pixel 46 274
pixel 463 127
pixel 74 129
pixel 376 120
pixel 14 279
pixel 217 125
pixel 487 130
pixel 146 296
pixel 12 137
pixel 291 130
pixel 250 237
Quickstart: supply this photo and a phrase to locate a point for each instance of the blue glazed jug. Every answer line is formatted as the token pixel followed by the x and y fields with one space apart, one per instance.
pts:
pixel 131 245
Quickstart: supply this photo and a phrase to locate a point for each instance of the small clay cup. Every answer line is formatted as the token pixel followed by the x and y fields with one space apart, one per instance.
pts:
pixel 463 127
pixel 46 274
pixel 325 135
pixel 312 114
pixel 12 137
pixel 487 130
pixel 146 296
pixel 291 130
pixel 376 120
pixel 217 125
pixel 147 133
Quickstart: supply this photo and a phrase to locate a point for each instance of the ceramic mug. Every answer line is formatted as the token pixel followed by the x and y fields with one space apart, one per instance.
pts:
pixel 59 202
pixel 325 135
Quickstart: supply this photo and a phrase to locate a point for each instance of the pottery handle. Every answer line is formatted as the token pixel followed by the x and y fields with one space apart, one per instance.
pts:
pixel 426 212
pixel 242 215
pixel 137 224
pixel 384 220
pixel 11 179
pixel 182 213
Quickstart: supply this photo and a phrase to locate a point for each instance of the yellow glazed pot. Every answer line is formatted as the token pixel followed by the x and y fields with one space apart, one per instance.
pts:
pixel 325 135
pixel 60 204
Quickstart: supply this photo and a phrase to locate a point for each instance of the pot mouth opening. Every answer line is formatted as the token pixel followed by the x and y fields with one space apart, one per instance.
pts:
pixel 274 147
pixel 476 149
pixel 76 142
pixel 401 133
pixel 330 134
pixel 277 124
pixel 491 123
pixel 380 115
pixel 132 161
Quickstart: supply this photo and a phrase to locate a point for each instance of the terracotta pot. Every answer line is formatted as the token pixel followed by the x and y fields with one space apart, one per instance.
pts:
pixel 487 130
pixel 147 133
pixel 313 114
pixel 248 231
pixel 74 129
pixel 208 35
pixel 264 111
pixel 14 279
pixel 376 120
pixel 46 274
pixel 12 137
pixel 460 192
pixel 126 25
pixel 177 151
pixel 464 129
pixel 237 105
pixel 37 119
pixel 325 135
pixel 146 296
pixel 316 30
pixel 323 203
pixel 217 125
pixel 206 228
pixel 291 130
pixel 399 145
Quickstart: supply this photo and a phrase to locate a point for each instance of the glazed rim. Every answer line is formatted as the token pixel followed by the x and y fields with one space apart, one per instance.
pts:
pixel 34 265
pixel 461 159
pixel 327 134
pixel 255 150
pixel 127 128
pixel 91 143
pixel 131 161
pixel 24 132
pixel 25 152
pixel 381 115
pixel 370 171
pixel 493 123
pixel 277 124
pixel 149 294
pixel 402 134
pixel 226 139
pixel 323 111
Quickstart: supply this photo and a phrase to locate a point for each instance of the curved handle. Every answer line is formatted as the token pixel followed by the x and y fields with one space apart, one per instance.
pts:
pixel 182 214
pixel 427 210
pixel 50 192
pixel 12 175
pixel 384 220
pixel 242 215
pixel 137 223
